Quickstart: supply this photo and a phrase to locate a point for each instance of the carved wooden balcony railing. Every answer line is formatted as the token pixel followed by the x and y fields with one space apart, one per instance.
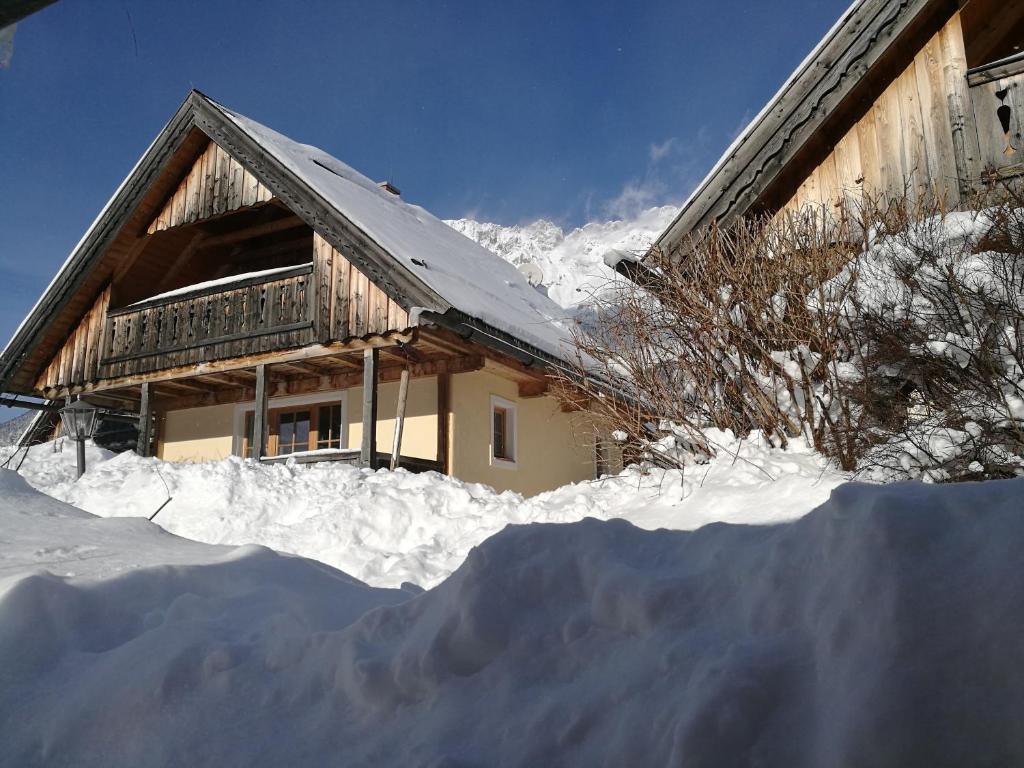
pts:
pixel 254 315
pixel 997 93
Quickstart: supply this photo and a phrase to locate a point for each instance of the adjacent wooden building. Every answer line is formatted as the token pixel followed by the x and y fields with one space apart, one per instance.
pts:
pixel 901 96
pixel 249 295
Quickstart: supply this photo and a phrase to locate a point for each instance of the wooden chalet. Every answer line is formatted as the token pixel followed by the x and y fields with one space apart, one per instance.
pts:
pixel 249 295
pixel 917 96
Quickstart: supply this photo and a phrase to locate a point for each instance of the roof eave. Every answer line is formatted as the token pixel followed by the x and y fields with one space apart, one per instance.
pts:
pixel 99 236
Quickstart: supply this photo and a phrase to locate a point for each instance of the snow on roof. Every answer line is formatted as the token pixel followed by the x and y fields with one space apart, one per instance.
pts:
pixel 466 275
pixel 220 281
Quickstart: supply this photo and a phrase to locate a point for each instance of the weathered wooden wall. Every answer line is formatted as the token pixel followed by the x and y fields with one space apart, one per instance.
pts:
pixel 78 360
pixel 910 138
pixel 348 304
pixel 216 184
pixel 235 320
pixel 995 89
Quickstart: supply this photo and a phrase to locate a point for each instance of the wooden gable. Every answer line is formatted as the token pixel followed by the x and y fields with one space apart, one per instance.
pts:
pixel 894 101
pixel 216 184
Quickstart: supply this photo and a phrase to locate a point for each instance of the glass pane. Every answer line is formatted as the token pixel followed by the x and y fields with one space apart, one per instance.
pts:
pixel 329 427
pixel 302 431
pixel 509 436
pixel 499 433
pixel 250 439
pixel 286 431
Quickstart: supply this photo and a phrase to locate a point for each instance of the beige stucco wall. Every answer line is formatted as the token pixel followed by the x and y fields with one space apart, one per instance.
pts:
pixel 197 434
pixel 419 436
pixel 551 450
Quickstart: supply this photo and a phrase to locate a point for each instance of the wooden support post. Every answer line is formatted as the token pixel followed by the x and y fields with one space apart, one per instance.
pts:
pixel 368 450
pixel 145 422
pixel 443 382
pixel 403 395
pixel 260 422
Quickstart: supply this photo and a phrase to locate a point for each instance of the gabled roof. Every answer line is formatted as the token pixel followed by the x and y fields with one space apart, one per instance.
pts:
pixel 437 273
pixel 823 90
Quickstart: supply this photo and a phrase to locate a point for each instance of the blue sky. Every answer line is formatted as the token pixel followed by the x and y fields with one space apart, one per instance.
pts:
pixel 503 111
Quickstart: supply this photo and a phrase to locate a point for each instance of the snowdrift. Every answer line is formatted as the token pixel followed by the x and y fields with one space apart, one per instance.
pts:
pixel 881 629
pixel 387 528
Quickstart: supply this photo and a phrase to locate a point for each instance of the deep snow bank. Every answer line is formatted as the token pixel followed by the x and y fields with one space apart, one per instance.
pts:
pixel 387 528
pixel 882 629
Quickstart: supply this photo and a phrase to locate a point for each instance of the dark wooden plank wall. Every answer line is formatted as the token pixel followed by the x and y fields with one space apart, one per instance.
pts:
pixel 348 303
pixel 908 138
pixel 253 317
pixel 216 184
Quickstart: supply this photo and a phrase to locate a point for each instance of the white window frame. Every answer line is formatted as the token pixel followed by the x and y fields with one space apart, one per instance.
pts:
pixel 335 397
pixel 513 417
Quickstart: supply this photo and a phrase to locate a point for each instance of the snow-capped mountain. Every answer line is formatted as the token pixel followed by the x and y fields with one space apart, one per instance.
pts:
pixel 571 264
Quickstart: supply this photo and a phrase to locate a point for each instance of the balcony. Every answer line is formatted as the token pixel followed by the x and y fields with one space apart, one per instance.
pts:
pixel 997 95
pixel 228 318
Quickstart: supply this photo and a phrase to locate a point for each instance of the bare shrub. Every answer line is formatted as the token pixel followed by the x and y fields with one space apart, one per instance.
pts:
pixel 854 328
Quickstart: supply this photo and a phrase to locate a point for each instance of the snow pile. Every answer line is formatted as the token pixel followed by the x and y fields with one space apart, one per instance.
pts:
pixel 881 629
pixel 572 264
pixel 387 528
pixel 12 429
pixel 939 313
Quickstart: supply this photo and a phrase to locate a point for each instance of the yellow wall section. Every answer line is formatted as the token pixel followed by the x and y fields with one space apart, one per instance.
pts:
pixel 419 436
pixel 197 434
pixel 553 447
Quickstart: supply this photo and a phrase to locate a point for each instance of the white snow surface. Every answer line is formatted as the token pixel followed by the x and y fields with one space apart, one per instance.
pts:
pixel 572 263
pixel 218 282
pixel 461 272
pixel 881 629
pixel 388 528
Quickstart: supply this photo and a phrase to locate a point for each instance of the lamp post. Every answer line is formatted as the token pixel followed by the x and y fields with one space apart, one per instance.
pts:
pixel 79 419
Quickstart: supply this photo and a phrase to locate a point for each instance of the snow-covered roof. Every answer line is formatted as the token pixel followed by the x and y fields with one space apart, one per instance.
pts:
pixel 470 278
pixel 439 269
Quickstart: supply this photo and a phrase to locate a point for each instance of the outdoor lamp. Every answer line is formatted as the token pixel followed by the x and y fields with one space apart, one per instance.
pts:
pixel 79 419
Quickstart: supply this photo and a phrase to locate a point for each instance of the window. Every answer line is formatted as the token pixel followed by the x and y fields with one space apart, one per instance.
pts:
pixel 302 427
pixel 328 434
pixel 293 432
pixel 503 432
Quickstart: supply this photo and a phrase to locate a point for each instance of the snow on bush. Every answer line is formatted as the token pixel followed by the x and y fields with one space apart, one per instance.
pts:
pixel 881 629
pixel 891 338
pixel 387 528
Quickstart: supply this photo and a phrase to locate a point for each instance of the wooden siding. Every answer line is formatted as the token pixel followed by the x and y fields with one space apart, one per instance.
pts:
pixel 348 303
pixel 247 318
pixel 216 184
pixel 995 88
pixel 908 139
pixel 78 360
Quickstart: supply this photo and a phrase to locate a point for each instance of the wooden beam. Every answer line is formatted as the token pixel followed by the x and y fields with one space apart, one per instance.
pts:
pixel 260 423
pixel 368 450
pixel 145 423
pixel 443 386
pixel 180 262
pixel 233 364
pixel 403 395
pixel 323 383
pixel 528 389
pixel 15 10
pixel 256 230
